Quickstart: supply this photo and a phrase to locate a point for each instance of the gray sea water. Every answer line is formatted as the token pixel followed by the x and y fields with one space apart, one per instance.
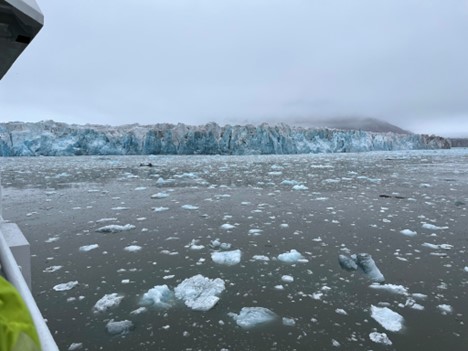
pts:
pixel 320 205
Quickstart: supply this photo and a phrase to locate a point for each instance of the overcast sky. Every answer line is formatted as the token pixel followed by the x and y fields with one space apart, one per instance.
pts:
pixel 237 61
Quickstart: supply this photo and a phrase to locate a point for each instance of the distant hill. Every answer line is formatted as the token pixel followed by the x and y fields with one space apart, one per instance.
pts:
pixel 352 123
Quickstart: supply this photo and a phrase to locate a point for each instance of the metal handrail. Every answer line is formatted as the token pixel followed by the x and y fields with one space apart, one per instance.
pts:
pixel 15 277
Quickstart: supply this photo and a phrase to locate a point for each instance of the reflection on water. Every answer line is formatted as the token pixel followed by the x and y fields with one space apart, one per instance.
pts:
pixel 167 219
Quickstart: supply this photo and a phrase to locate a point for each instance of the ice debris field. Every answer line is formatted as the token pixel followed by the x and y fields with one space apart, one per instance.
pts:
pixel 343 251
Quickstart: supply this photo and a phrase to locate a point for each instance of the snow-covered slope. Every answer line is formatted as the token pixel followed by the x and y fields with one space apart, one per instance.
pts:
pixel 50 138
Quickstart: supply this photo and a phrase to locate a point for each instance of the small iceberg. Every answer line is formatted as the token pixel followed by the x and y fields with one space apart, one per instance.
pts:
pixel 380 338
pixel 250 317
pixel 119 327
pixel 107 301
pixel 115 228
pixel 387 318
pixel 408 232
pixel 87 248
pixel 393 288
pixel 292 256
pixel 228 258
pixel 368 266
pixel 159 296
pixel 65 286
pixel 347 263
pixel 200 293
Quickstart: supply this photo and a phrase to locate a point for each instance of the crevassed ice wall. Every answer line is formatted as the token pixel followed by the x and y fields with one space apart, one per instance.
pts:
pixel 50 138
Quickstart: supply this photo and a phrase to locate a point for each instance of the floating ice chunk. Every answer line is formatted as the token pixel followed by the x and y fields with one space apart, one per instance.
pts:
pixel 228 258
pixel 75 346
pixel 255 232
pixel 299 187
pixel 119 327
pixel 380 338
pixel 193 245
pixel 387 318
pixel 87 248
pixel 227 226
pixel 132 248
pixel 292 256
pixel 287 278
pixel 336 343
pixel 65 286
pixel 347 263
pixel 250 317
pixel 341 311
pixel 465 269
pixel 115 228
pixel 52 269
pixel 438 247
pixel 119 208
pixel 161 195
pixel 139 188
pixel 107 301
pixel 408 232
pixel 190 207
pixel 368 266
pixel 289 322
pixel 159 296
pixel 432 226
pixel 160 209
pixel 411 303
pixel 445 309
pixel 260 258
pixel 200 293
pixel 106 220
pixel 138 311
pixel 290 182
pixel 396 289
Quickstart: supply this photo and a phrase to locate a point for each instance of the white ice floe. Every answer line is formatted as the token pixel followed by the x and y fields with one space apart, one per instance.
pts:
pixel 65 286
pixel 75 346
pixel 52 269
pixel 260 258
pixel 255 232
pixel 87 248
pixel 465 269
pixel 133 248
pixel 390 320
pixel 190 207
pixel 393 288
pixel 200 293
pixel 299 187
pixel 160 195
pixel 292 256
pixel 108 301
pixel 160 209
pixel 432 226
pixel 290 182
pixel 193 245
pixel 138 311
pixel 408 232
pixel 119 208
pixel 341 311
pixel 368 266
pixel 228 258
pixel 218 244
pixel 250 317
pixel 287 278
pixel 380 338
pixel 106 220
pixel 227 226
pixel 140 188
pixel 445 309
pixel 159 296
pixel 289 322
pixel 438 247
pixel 115 228
pixel 119 327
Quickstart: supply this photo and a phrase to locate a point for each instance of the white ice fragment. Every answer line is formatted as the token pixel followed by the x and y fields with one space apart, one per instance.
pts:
pixel 299 187
pixel 289 322
pixel 75 346
pixel 139 310
pixel 200 293
pixel 393 288
pixel 115 228
pixel 390 320
pixel 119 327
pixel 227 226
pixel 255 232
pixel 341 311
pixel 380 338
pixel 52 269
pixel 438 247
pixel 65 286
pixel 160 209
pixel 335 343
pixel 465 269
pixel 132 248
pixel 432 226
pixel 287 278
pixel 190 207
pixel 106 220
pixel 260 258
pixel 140 188
pixel 250 317
pixel 87 248
pixel 119 208
pixel 160 195
pixel 292 256
pixel 408 232
pixel 159 296
pixel 228 258
pixel 445 309
pixel 290 182
pixel 107 301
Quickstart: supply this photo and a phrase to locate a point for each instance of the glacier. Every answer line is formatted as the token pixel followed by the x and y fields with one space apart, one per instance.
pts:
pixel 49 138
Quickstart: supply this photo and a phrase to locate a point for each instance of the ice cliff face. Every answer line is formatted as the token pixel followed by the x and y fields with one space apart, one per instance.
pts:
pixel 50 138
